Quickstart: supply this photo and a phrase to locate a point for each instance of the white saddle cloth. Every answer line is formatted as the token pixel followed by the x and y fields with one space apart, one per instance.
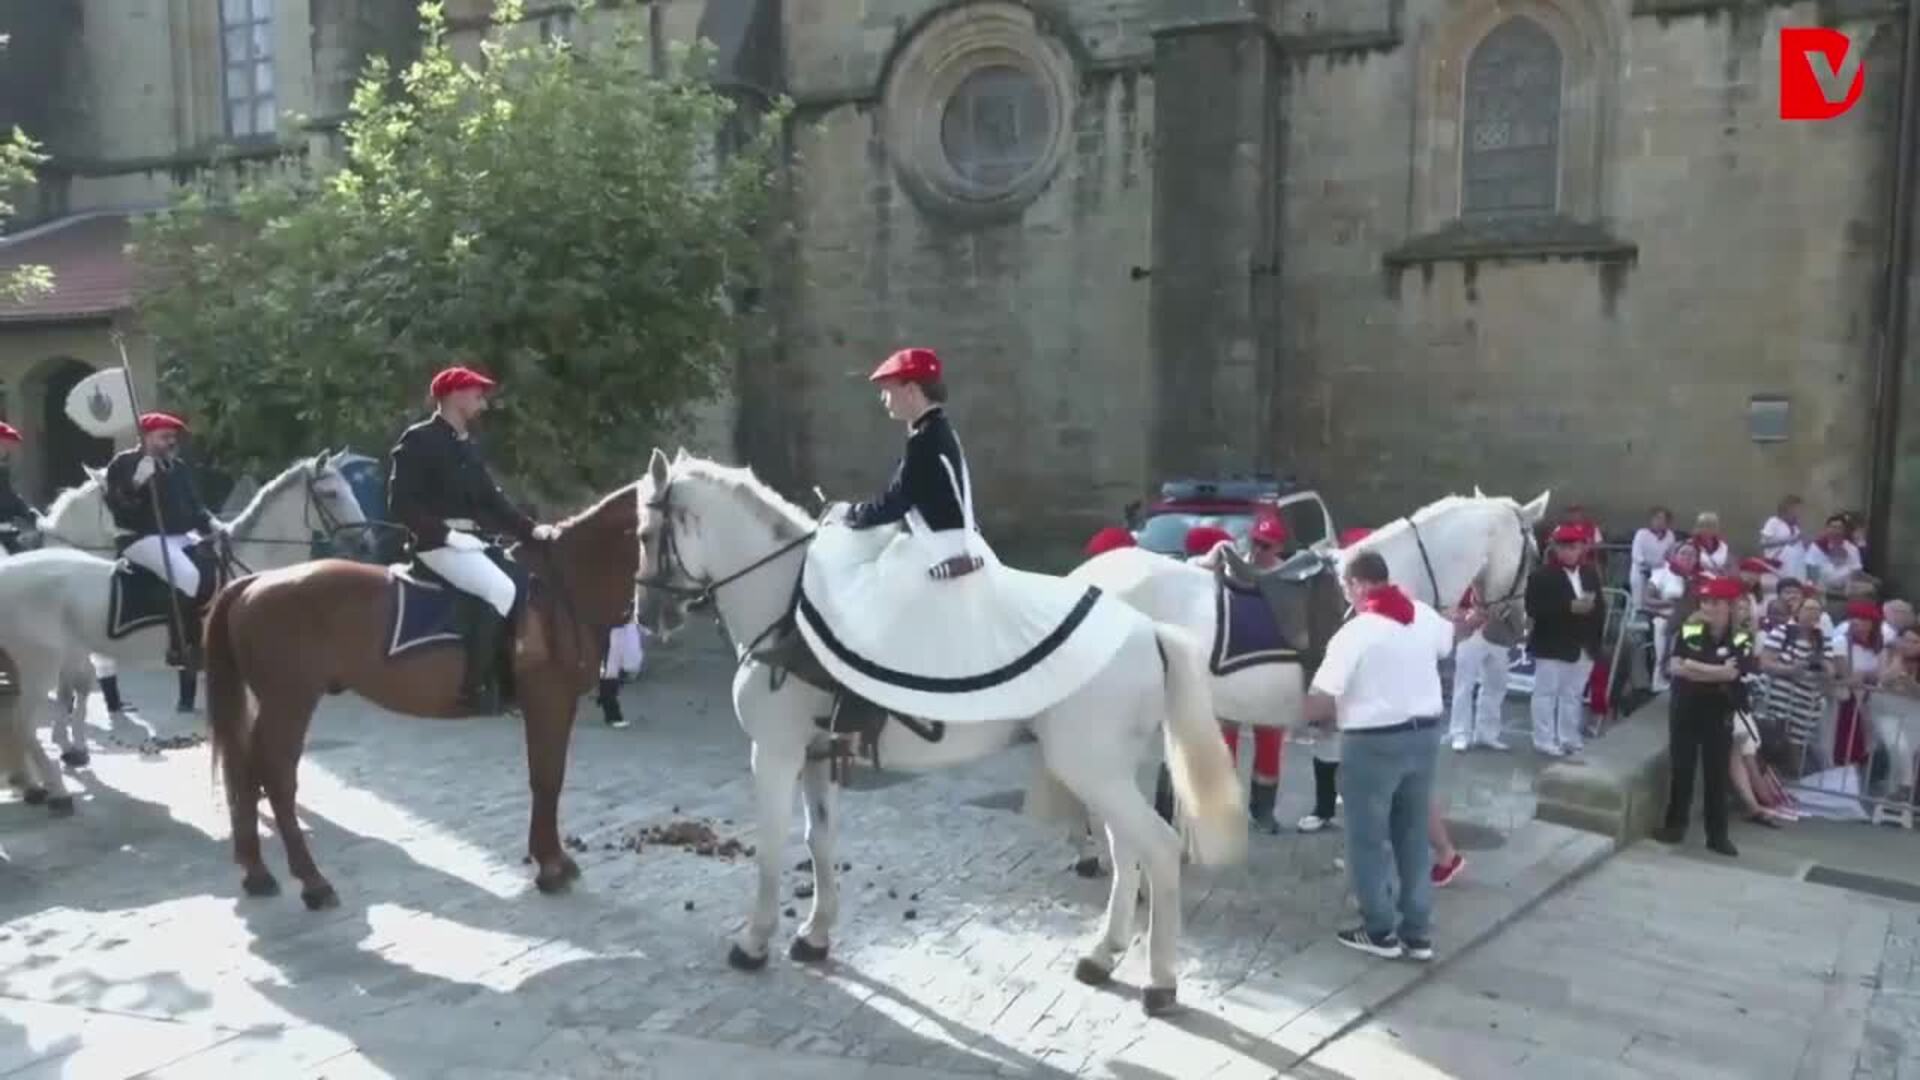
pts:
pixel 995 644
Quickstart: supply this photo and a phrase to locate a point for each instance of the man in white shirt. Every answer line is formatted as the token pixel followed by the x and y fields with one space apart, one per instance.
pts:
pixel 1651 546
pixel 1380 680
pixel 1780 539
pixel 1832 559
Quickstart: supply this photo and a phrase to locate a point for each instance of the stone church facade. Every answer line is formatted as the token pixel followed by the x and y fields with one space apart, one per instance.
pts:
pixel 1394 247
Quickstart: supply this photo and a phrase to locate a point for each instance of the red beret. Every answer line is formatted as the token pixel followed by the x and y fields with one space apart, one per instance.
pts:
pixel 1204 538
pixel 1754 564
pixel 1572 533
pixel 909 365
pixel 1109 539
pixel 9 433
pixel 159 421
pixel 458 378
pixel 1269 530
pixel 1721 588
pixel 1863 609
pixel 1350 537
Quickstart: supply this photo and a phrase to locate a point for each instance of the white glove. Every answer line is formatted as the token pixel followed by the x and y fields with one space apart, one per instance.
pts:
pixel 544 533
pixel 460 541
pixel 143 471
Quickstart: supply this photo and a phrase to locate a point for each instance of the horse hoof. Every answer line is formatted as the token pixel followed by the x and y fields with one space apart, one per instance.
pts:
pixel 740 959
pixel 260 885
pixel 1160 1000
pixel 35 796
pixel 61 805
pixel 1090 867
pixel 553 884
pixel 806 952
pixel 320 899
pixel 1091 973
pixel 571 870
pixel 78 759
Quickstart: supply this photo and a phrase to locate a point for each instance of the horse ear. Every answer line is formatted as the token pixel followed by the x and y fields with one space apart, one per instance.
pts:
pixel 1477 493
pixel 657 469
pixel 1536 511
pixel 680 455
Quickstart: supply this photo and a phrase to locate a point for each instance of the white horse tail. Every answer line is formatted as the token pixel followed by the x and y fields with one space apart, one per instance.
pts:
pixel 1205 786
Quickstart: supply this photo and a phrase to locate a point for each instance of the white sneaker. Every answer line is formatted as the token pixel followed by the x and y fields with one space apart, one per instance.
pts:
pixel 1495 743
pixel 1549 751
pixel 1459 744
pixel 1314 823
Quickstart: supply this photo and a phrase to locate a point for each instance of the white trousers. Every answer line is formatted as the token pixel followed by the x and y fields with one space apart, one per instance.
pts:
pixel 624 652
pixel 1478 665
pixel 1661 647
pixel 1558 712
pixel 148 552
pixel 474 574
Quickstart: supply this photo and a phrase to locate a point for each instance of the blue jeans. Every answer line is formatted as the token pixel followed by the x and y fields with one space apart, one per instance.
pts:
pixel 1387 782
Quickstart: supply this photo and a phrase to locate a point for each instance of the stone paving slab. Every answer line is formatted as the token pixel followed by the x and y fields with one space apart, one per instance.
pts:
pixel 126 949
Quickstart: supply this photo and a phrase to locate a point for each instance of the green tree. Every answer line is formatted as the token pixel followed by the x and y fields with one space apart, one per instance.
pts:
pixel 18 156
pixel 553 215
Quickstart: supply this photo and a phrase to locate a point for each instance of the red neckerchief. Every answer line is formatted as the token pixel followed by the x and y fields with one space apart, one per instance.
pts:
pixel 1389 601
pixel 1707 545
pixel 1659 534
pixel 1830 545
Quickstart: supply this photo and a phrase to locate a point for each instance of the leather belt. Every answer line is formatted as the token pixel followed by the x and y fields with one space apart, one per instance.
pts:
pixel 1418 723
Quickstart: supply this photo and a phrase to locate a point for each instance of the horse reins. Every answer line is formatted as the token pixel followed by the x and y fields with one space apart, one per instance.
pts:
pixel 661 579
pixel 1516 591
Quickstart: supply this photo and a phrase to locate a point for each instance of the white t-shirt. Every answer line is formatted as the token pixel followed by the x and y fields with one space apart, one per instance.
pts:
pixel 1665 585
pixel 1716 559
pixel 1383 673
pixel 1781 541
pixel 1650 552
pixel 1830 572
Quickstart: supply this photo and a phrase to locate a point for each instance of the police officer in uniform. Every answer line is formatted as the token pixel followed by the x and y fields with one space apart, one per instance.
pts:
pixel 1710 657
pixel 16 517
pixel 441 491
pixel 159 516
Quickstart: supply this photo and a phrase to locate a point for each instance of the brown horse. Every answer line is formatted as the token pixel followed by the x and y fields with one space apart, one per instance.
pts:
pixel 291 636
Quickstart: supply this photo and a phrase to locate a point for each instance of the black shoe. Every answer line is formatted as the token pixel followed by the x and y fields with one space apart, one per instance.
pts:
pixel 1723 847
pixel 1417 949
pixel 610 703
pixel 1668 834
pixel 1386 947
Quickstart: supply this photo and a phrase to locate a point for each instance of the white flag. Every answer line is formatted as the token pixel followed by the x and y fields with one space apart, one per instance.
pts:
pixel 102 404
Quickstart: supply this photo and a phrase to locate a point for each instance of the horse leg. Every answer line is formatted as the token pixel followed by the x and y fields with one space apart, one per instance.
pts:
pixel 70 721
pixel 821 795
pixel 549 726
pixel 777 757
pixel 275 766
pixel 38 676
pixel 1090 840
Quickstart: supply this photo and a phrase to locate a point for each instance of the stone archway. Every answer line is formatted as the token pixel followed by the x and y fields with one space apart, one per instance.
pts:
pixel 64 448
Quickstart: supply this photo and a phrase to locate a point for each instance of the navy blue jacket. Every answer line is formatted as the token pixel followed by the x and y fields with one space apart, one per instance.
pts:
pixel 437 476
pixel 132 506
pixel 921 482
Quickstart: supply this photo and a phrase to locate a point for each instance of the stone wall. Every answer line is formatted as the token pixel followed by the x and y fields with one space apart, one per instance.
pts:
pixel 1616 377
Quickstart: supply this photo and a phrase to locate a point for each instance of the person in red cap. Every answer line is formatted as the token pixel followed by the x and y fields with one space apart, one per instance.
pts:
pixel 1203 540
pixel 1567 611
pixel 1710 659
pixel 16 517
pixel 1754 574
pixel 441 491
pixel 929 488
pixel 1112 538
pixel 157 510
pixel 1267 543
pixel 1862 639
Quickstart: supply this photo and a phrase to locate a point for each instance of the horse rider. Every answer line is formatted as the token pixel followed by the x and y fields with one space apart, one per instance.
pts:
pixel 16 517
pixel 159 516
pixel 441 491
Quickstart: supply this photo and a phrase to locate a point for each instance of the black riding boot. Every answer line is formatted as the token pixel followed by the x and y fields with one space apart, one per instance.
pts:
pixel 609 699
pixel 110 690
pixel 1163 795
pixel 480 692
pixel 189 690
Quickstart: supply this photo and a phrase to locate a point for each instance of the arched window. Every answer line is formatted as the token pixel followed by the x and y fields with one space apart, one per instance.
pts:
pixel 1510 162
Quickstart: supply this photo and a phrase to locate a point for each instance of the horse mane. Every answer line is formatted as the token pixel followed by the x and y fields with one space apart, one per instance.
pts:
pixel 787 521
pixel 64 501
pixel 597 508
pixel 244 521
pixel 1393 529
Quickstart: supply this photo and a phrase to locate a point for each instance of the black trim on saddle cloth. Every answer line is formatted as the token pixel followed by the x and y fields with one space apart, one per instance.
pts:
pixel 959 684
pixel 426 610
pixel 139 598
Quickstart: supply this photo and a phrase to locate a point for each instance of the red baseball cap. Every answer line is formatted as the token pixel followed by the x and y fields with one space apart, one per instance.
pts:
pixel 1571 533
pixel 458 378
pixel 1269 531
pixel 1721 588
pixel 1204 538
pixel 908 365
pixel 9 433
pixel 159 421
pixel 1109 539
pixel 1864 609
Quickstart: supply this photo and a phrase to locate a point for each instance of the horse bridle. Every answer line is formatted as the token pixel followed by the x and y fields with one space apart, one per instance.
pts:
pixel 1516 592
pixel 671 564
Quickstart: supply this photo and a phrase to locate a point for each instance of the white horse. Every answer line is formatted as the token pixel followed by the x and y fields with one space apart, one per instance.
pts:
pixel 68 592
pixel 1435 554
pixel 708 530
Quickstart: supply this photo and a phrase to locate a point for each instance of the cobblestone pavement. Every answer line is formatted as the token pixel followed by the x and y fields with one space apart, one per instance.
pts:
pixel 1660 964
pixel 125 947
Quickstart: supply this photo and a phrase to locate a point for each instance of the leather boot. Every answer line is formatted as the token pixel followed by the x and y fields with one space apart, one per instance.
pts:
pixel 609 699
pixel 1260 807
pixel 480 691
pixel 1163 795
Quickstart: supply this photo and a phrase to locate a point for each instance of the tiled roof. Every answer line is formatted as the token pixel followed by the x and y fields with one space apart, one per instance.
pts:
pixel 92 275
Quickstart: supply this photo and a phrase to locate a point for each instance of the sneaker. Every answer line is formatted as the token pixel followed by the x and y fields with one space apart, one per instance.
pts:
pixel 1550 751
pixel 1444 873
pixel 1459 744
pixel 1314 823
pixel 1417 949
pixel 1386 947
